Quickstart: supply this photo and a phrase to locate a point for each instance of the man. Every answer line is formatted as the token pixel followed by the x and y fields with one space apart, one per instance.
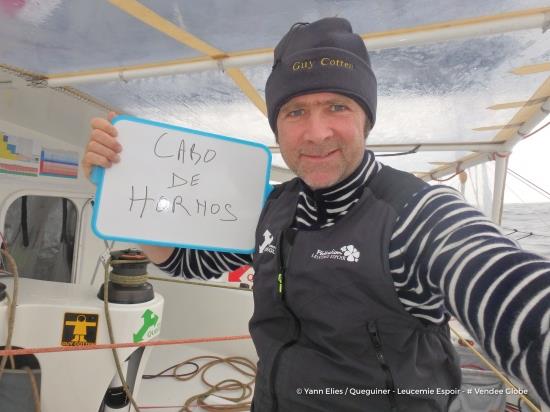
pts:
pixel 363 264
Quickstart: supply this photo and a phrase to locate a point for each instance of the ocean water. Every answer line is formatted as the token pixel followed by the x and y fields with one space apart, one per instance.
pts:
pixel 532 224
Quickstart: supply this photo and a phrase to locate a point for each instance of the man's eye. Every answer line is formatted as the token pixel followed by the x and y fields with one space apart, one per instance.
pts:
pixel 296 113
pixel 338 107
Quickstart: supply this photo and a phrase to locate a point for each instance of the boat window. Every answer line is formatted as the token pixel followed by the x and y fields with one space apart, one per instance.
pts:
pixel 40 235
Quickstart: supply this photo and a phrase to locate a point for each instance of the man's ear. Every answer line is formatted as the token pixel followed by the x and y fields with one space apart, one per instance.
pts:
pixel 367 128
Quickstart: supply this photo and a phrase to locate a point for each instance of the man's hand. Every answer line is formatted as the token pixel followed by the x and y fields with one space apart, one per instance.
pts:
pixel 102 150
pixel 103 147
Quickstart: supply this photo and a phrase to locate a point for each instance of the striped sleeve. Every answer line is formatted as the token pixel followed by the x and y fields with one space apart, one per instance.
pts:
pixel 202 264
pixel 447 256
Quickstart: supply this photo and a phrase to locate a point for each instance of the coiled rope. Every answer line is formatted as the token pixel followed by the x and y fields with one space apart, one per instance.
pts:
pixel 239 403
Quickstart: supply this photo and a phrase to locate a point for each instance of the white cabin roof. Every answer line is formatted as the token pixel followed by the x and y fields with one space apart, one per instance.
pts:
pixel 449 72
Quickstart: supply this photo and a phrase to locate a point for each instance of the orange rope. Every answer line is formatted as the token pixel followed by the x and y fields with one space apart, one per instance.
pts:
pixel 28 351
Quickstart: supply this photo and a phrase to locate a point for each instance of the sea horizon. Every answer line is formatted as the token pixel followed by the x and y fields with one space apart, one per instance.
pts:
pixel 529 225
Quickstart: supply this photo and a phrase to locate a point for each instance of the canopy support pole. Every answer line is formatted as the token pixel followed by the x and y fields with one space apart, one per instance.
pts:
pixel 501 168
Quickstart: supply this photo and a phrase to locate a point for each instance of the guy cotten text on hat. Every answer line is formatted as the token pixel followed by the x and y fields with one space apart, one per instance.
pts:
pixel 324 61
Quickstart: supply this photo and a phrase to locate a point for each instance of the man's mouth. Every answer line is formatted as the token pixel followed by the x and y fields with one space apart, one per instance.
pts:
pixel 319 156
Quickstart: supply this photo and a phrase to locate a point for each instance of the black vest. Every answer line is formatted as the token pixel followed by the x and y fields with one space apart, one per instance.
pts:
pixel 328 326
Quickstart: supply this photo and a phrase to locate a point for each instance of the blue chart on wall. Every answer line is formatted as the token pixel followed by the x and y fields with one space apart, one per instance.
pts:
pixel 180 187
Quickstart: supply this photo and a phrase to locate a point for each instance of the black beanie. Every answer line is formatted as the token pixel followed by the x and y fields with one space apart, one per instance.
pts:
pixel 323 56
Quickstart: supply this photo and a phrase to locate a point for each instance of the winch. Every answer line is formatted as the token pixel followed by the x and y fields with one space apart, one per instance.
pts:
pixel 128 279
pixel 57 315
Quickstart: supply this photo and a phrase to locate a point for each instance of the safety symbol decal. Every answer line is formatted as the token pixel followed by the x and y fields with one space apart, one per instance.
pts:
pixel 79 329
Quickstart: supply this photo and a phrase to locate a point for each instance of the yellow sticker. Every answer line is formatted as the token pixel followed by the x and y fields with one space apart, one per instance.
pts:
pixel 79 329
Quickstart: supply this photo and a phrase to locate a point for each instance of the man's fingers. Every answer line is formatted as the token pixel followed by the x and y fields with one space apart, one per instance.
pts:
pixel 103 151
pixel 104 139
pixel 111 116
pixel 92 159
pixel 103 147
pixel 105 125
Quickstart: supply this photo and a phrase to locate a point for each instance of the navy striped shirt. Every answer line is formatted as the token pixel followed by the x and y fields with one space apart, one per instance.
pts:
pixel 445 257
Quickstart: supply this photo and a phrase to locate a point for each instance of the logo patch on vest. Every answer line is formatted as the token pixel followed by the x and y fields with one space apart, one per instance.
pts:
pixel 266 246
pixel 348 253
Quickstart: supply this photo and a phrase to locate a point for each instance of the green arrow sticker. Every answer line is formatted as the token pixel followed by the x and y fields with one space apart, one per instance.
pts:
pixel 149 320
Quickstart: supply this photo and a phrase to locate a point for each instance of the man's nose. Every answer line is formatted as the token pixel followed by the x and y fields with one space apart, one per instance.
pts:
pixel 318 128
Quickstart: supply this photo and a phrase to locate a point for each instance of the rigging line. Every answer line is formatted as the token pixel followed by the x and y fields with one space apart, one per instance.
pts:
pixel 522 231
pixel 527 180
pixel 208 284
pixel 497 372
pixel 543 193
pixel 11 311
pixel 125 387
pixel 12 306
pixel 174 374
pixel 447 178
pixel 34 388
pixel 536 131
pixel 240 364
pixel 542 222
pixel 524 237
pixel 412 151
pixel 526 183
pixel 50 349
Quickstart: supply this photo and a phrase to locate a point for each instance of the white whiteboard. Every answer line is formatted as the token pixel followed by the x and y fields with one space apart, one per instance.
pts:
pixel 180 187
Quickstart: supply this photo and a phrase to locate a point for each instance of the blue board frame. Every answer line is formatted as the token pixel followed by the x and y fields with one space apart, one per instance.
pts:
pixel 98 175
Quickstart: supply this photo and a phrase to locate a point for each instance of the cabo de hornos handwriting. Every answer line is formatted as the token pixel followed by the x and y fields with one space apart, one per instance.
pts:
pixel 189 206
pixel 182 152
pixel 179 151
pixel 194 155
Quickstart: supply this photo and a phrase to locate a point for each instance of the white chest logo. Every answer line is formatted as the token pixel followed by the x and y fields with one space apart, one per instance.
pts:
pixel 268 238
pixel 348 253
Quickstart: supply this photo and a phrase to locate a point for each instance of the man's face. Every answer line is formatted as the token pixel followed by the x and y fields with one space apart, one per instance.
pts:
pixel 321 137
